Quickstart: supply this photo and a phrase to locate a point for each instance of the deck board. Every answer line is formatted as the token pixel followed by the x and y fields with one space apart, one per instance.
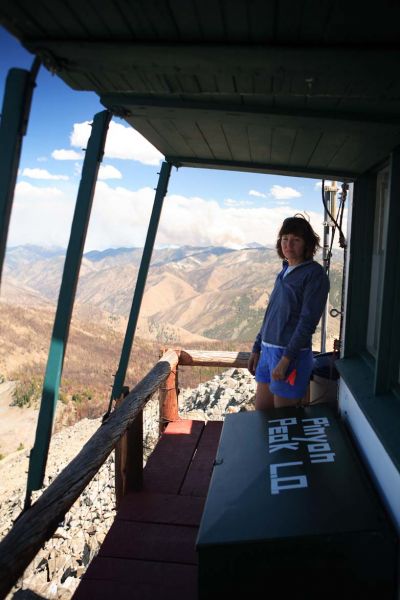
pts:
pixel 167 466
pixel 198 476
pixel 149 551
pixel 125 578
pixel 161 508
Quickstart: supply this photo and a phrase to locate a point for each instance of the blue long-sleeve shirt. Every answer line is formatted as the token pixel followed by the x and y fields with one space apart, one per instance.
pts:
pixel 294 308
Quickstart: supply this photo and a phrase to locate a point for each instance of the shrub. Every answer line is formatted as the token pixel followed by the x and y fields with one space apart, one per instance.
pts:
pixel 27 392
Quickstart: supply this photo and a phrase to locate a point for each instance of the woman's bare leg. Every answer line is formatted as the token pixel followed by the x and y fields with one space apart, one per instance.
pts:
pixel 264 397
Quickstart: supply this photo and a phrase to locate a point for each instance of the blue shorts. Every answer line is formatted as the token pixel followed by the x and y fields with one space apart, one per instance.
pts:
pixel 303 364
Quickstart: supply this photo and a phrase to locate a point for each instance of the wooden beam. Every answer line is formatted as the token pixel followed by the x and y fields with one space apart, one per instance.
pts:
pixel 203 358
pixel 168 107
pixel 355 63
pixel 37 524
pixel 234 165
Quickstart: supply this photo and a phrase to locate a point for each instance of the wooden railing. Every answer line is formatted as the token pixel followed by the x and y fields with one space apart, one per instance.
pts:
pixel 123 430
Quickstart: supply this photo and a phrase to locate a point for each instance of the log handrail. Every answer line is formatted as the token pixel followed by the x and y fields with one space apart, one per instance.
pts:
pixel 38 523
pixel 207 358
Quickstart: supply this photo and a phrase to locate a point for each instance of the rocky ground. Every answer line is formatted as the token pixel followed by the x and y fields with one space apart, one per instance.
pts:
pixel 58 567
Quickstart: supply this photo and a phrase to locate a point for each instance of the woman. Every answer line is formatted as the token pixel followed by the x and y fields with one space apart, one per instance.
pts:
pixel 282 358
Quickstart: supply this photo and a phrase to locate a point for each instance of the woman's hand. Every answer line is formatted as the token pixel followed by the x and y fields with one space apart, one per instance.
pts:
pixel 279 372
pixel 253 361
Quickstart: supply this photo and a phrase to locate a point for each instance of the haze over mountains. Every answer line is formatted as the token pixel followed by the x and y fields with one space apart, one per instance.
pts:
pixel 192 293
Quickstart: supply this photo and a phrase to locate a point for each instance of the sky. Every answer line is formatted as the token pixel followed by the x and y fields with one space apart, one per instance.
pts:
pixel 203 207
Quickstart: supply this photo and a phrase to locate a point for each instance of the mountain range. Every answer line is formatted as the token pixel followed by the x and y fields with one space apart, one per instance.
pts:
pixel 191 294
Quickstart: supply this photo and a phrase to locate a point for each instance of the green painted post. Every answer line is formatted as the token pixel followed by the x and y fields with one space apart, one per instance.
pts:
pixel 387 356
pixel 141 280
pixel 14 120
pixel 93 158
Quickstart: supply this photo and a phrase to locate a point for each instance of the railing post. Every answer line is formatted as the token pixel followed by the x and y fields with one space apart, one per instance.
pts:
pixel 168 398
pixel 129 456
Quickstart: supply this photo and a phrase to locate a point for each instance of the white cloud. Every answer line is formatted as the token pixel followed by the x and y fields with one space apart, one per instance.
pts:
pixel 122 142
pixel 109 172
pixel 232 202
pixel 42 159
pixel 284 193
pixel 42 174
pixel 40 215
pixel 120 217
pixel 257 194
pixel 66 155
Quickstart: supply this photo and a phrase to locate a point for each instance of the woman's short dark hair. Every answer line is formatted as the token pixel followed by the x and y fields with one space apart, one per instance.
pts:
pixel 301 227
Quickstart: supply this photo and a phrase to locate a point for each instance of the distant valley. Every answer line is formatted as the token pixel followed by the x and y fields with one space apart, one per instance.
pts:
pixel 192 294
pixel 203 298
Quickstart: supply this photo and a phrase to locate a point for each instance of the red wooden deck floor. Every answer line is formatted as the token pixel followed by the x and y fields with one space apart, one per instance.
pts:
pixel 149 552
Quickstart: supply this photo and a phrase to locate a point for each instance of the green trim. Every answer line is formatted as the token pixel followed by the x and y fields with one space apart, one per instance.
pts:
pixel 382 412
pixel 141 280
pixel 388 353
pixel 93 158
pixel 254 167
pixel 359 274
pixel 13 124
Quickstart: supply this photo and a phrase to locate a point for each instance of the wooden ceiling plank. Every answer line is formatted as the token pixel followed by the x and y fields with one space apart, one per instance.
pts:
pixel 163 22
pixel 281 144
pixel 236 22
pixel 194 138
pixel 326 148
pixel 210 20
pixel 304 146
pixel 213 132
pixel 375 151
pixel 84 18
pixel 154 132
pixel 288 21
pixel 363 22
pixel 260 143
pixel 168 130
pixel 117 23
pixel 261 21
pixel 12 17
pixel 77 81
pixel 348 153
pixel 316 16
pixel 237 140
pixel 186 19
pixel 49 19
pixel 142 28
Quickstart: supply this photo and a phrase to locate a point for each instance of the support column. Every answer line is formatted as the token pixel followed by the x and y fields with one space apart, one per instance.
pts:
pixel 141 280
pixel 93 158
pixel 13 125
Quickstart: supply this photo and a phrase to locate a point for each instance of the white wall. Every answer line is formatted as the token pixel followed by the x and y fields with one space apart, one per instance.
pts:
pixel 383 471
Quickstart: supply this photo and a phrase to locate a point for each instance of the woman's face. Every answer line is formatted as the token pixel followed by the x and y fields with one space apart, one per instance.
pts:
pixel 293 247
